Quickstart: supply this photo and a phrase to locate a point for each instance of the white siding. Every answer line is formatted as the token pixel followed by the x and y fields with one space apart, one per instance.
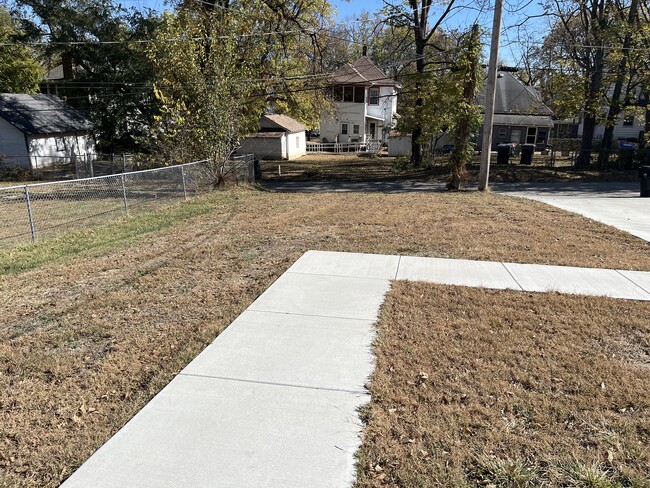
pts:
pixel 46 150
pixel 13 148
pixel 296 145
pixel 387 106
pixel 620 131
pixel 264 147
pixel 399 146
pixel 345 113
pixel 356 113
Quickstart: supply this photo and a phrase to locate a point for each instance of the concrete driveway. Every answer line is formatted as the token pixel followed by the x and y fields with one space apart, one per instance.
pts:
pixel 615 204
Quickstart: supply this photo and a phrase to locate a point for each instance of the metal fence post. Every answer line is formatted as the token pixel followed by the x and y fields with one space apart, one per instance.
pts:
pixel 184 184
pixel 29 213
pixel 126 202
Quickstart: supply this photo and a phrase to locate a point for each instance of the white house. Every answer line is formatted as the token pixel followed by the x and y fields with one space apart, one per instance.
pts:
pixel 364 104
pixel 627 128
pixel 279 137
pixel 40 130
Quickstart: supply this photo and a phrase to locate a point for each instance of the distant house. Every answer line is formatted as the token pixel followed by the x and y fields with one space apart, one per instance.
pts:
pixel 365 104
pixel 627 128
pixel 279 137
pixel 39 130
pixel 520 116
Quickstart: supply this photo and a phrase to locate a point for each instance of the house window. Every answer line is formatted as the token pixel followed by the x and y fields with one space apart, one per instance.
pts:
pixel 337 93
pixel 359 94
pixel 531 135
pixel 348 93
pixel 503 132
pixel 373 97
pixel 344 129
pixel 60 143
pixel 355 129
pixel 628 120
pixel 297 142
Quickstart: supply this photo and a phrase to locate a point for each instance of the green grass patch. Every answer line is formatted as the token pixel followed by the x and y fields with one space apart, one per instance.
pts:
pixel 102 239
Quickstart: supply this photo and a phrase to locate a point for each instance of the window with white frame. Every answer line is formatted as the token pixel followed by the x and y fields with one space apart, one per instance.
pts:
pixel 373 96
pixel 503 132
pixel 355 129
pixel 344 129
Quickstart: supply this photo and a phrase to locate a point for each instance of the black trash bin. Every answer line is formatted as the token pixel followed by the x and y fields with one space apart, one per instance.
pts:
pixel 527 151
pixel 644 174
pixel 503 153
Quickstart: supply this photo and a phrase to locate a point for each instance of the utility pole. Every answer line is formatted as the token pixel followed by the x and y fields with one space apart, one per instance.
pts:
pixel 490 94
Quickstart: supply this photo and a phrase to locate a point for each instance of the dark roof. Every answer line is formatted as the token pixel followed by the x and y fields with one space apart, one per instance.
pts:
pixel 283 122
pixel 41 114
pixel 55 73
pixel 513 97
pixel 523 120
pixel 361 72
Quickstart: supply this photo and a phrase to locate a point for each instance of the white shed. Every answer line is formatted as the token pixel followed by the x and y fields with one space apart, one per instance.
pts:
pixel 280 137
pixel 41 130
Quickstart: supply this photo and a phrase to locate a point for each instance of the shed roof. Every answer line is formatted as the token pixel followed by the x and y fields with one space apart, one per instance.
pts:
pixel 41 114
pixel 513 97
pixel 266 135
pixel 284 122
pixel 362 72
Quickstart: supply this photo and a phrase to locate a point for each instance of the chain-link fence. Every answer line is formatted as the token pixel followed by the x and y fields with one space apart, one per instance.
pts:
pixel 32 212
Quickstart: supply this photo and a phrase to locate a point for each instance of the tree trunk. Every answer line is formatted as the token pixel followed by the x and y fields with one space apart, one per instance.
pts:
pixel 416 134
pixel 459 155
pixel 592 107
pixel 615 104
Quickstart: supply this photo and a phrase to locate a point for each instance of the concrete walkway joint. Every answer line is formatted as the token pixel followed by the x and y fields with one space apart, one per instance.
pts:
pixel 273 400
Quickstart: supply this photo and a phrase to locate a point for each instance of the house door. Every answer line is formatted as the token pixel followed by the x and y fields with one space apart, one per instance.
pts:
pixel 531 135
pixel 372 131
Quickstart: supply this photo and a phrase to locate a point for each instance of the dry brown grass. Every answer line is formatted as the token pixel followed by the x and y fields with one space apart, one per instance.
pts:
pixel 350 167
pixel 90 334
pixel 503 388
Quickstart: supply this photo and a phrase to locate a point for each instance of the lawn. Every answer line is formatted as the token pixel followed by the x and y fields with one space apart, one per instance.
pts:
pixel 512 389
pixel 353 168
pixel 95 323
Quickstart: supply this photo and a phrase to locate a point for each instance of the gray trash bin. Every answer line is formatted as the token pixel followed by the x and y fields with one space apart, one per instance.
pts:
pixel 527 151
pixel 503 153
pixel 644 174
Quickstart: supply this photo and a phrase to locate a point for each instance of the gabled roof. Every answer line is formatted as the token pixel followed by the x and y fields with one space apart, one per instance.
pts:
pixel 513 97
pixel 283 122
pixel 41 114
pixel 361 72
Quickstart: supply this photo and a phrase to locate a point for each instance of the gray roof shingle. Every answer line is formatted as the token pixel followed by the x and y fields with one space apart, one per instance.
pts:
pixel 41 114
pixel 513 97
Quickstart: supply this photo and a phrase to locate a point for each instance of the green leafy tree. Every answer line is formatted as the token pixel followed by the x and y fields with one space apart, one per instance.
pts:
pixel 205 80
pixel 421 19
pixel 20 72
pixel 111 83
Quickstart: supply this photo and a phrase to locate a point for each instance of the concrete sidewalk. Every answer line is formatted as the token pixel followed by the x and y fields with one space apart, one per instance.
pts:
pixel 273 400
pixel 615 204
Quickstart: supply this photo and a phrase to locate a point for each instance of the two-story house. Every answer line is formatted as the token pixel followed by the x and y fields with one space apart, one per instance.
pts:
pixel 364 104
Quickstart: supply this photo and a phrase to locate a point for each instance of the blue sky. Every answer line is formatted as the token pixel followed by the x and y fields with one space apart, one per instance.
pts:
pixel 512 38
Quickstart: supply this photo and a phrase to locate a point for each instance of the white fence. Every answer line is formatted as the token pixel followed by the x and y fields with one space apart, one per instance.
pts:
pixel 32 212
pixel 340 147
